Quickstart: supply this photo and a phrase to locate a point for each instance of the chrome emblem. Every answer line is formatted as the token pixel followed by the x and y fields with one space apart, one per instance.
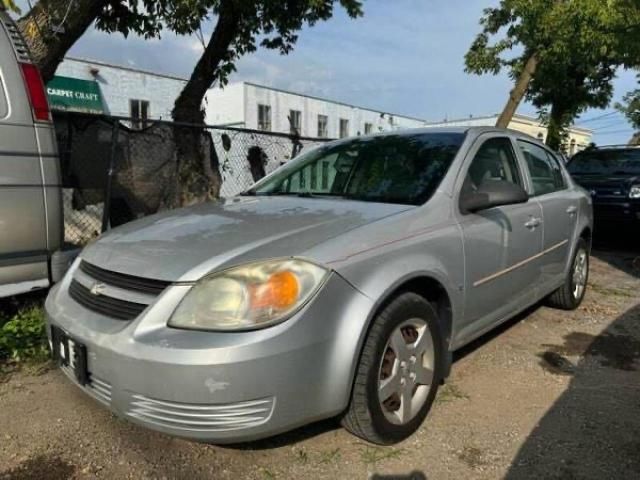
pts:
pixel 97 288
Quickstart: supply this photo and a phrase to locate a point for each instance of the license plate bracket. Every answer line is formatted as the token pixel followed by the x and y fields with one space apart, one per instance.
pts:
pixel 70 353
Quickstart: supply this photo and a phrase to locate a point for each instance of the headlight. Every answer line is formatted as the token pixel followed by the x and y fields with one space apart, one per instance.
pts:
pixel 634 192
pixel 250 296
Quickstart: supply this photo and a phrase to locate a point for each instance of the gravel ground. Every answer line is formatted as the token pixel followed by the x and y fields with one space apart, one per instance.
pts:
pixel 549 395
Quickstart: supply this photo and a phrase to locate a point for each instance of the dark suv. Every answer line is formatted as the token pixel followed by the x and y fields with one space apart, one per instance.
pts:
pixel 612 177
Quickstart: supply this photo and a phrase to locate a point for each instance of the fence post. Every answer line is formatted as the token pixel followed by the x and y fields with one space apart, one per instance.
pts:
pixel 112 163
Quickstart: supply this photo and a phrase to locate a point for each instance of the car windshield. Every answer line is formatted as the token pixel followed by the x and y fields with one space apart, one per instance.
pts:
pixel 395 168
pixel 606 162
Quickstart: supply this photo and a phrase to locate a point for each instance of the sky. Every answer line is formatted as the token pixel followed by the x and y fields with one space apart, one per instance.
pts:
pixel 403 56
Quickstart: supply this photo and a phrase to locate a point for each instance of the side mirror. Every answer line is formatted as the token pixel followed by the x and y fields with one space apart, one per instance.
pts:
pixel 492 193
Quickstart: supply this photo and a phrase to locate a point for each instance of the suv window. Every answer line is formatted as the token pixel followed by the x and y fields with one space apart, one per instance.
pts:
pixel 546 175
pixel 496 161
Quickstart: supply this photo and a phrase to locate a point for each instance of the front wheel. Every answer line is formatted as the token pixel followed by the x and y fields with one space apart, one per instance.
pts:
pixel 569 296
pixel 398 374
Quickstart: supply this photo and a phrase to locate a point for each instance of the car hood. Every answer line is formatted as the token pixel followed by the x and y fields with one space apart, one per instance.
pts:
pixel 185 244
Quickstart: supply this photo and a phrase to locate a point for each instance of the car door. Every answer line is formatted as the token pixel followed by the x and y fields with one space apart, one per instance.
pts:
pixel 501 244
pixel 559 210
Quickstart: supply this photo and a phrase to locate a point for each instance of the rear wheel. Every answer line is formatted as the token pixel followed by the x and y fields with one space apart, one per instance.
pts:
pixel 398 374
pixel 569 296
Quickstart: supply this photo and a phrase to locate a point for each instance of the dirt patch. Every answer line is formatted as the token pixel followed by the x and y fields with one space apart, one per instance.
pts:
pixel 619 351
pixel 472 456
pixel 556 363
pixel 42 466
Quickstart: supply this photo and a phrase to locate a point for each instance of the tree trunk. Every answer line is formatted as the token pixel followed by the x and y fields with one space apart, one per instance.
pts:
pixel 51 27
pixel 519 90
pixel 556 127
pixel 197 179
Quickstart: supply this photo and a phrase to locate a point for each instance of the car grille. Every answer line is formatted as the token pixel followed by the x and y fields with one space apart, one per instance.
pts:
pixel 124 281
pixel 101 390
pixel 199 417
pixel 97 388
pixel 109 306
pixel 609 192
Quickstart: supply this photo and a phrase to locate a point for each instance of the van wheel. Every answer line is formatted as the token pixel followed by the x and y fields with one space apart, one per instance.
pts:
pixel 398 374
pixel 569 296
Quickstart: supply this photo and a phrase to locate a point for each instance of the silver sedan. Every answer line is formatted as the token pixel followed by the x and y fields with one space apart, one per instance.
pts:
pixel 338 286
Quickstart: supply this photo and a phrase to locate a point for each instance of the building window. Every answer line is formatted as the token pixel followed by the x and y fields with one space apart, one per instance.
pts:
pixel 323 122
pixel 139 112
pixel 368 128
pixel 295 122
pixel 264 117
pixel 344 128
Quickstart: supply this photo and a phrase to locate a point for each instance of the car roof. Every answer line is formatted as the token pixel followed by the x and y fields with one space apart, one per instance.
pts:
pixel 475 130
pixel 609 148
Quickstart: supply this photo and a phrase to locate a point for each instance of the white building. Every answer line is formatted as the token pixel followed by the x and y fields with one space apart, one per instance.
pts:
pixel 258 107
pixel 578 138
pixel 143 95
pixel 126 91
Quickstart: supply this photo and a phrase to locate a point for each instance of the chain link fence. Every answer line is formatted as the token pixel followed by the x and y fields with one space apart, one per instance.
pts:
pixel 113 173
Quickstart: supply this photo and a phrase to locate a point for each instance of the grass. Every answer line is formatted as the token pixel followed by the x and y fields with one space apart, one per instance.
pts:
pixel 450 392
pixel 608 291
pixel 268 474
pixel 23 338
pixel 301 455
pixel 373 455
pixel 330 456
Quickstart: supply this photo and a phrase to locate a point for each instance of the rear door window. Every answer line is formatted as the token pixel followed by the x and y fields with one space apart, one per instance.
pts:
pixel 544 169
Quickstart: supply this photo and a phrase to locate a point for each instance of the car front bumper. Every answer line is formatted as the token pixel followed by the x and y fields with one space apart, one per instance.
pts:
pixel 219 387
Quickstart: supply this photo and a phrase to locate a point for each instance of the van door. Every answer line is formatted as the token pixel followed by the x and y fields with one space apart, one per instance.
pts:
pixel 23 223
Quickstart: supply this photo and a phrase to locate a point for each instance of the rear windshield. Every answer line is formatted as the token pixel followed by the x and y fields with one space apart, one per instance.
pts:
pixel 392 168
pixel 606 162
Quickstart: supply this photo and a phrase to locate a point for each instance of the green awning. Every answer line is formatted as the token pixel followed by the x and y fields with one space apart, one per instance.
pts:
pixel 73 94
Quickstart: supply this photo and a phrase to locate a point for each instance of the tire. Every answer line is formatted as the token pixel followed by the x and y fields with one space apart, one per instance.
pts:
pixel 407 318
pixel 569 296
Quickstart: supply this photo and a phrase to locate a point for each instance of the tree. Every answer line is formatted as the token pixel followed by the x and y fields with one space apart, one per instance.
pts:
pixel 568 54
pixel 630 107
pixel 238 25
pixel 51 27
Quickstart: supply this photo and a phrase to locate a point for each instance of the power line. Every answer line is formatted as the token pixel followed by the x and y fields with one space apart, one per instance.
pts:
pixel 593 119
pixel 607 126
pixel 629 131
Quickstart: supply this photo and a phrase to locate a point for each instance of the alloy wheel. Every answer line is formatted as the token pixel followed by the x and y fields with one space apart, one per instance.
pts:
pixel 580 271
pixel 406 371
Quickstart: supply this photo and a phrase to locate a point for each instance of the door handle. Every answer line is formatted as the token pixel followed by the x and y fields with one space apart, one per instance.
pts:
pixel 572 210
pixel 532 223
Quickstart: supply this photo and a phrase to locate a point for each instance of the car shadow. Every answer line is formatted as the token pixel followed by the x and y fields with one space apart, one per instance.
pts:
pixel 593 429
pixel 619 246
pixel 289 438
